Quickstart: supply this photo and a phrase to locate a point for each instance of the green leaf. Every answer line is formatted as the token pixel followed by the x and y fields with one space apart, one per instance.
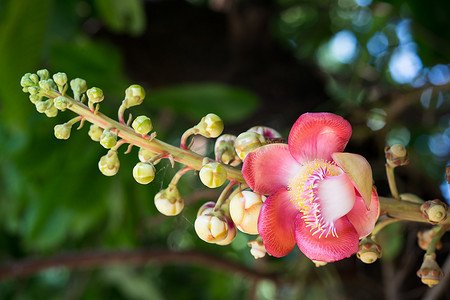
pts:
pixel 198 99
pixel 123 16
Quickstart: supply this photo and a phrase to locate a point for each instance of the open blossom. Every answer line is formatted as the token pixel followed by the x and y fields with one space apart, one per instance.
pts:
pixel 321 198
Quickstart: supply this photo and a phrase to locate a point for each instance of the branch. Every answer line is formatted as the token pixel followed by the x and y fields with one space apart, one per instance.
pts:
pixel 94 259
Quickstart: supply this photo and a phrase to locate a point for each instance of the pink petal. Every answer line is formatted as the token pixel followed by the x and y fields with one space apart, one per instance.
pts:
pixel 358 170
pixel 362 219
pixel 317 135
pixel 269 168
pixel 329 248
pixel 276 223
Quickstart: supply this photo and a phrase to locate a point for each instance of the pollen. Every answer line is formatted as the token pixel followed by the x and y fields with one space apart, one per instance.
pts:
pixel 303 194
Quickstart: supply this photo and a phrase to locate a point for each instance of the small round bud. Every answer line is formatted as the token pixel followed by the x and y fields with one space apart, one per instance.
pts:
pixel 134 95
pixel 369 251
pixel 33 90
pixel 108 139
pixel 430 273
pixel 26 81
pixel 434 211
pixel 232 232
pixel 142 125
pixel 210 126
pixel 169 201
pixel 396 155
pixel 258 250
pixel 145 155
pixel 247 142
pixel 266 132
pixel 35 98
pixel 244 211
pixel 424 239
pixel 95 95
pixel 78 87
pixel 213 175
pixel 210 226
pixel 46 85
pixel 60 78
pixel 34 78
pixel 61 102
pixel 109 164
pixel 51 112
pixel 224 150
pixel 43 74
pixel 42 106
pixel 144 172
pixel 62 131
pixel 95 132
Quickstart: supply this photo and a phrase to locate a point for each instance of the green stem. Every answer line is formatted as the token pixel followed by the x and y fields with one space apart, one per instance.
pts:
pixel 381 224
pixel 391 180
pixel 437 237
pixel 224 195
pixel 178 175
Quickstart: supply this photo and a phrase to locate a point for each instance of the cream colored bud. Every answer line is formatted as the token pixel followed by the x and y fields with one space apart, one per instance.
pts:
pixel 145 155
pixel 247 142
pixel 232 231
pixel 144 172
pixel 430 273
pixel 142 125
pixel 169 201
pixel 266 132
pixel 62 131
pixel 213 174
pixel 244 209
pixel 208 207
pixel 369 251
pixel 210 126
pixel 319 263
pixel 211 228
pixel 224 150
pixel 109 164
pixel 95 132
pixel 257 248
pixel 134 95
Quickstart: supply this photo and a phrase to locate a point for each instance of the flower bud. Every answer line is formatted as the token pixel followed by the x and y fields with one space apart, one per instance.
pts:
pixel 35 98
pixel 247 142
pixel 258 250
pixel 319 263
pixel 396 155
pixel 42 106
pixel 210 226
pixel 51 112
pixel 95 95
pixel 34 78
pixel 232 231
pixel 224 150
pixel 434 211
pixel 369 251
pixel 26 81
pixel 208 206
pixel 46 85
pixel 78 87
pixel 109 164
pixel 266 132
pixel 210 126
pixel 60 78
pixel 169 201
pixel 424 239
pixel 244 210
pixel 142 125
pixel 145 155
pixel 134 95
pixel 61 102
pixel 43 74
pixel 108 139
pixel 144 172
pixel 430 273
pixel 213 174
pixel 62 131
pixel 33 90
pixel 95 132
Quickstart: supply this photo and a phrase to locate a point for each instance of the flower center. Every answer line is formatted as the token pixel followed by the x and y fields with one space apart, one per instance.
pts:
pixel 303 192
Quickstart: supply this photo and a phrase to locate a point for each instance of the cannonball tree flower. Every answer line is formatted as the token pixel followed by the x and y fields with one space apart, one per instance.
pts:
pixel 320 197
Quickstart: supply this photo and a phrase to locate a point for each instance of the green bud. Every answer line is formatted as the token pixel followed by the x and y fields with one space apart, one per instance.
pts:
pixel 60 78
pixel 224 150
pixel 61 102
pixel 33 90
pixel 43 74
pixel 134 95
pixel 42 106
pixel 46 85
pixel 109 164
pixel 95 132
pixel 144 172
pixel 169 201
pixel 51 112
pixel 26 81
pixel 34 78
pixel 62 131
pixel 142 125
pixel 78 87
pixel 210 126
pixel 95 95
pixel 108 139
pixel 145 154
pixel 213 174
pixel 35 98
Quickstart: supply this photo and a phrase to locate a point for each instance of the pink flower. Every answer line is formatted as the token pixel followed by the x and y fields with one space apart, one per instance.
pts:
pixel 320 197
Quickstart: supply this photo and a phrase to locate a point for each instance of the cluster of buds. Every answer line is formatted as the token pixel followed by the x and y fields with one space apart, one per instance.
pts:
pixel 396 155
pixel 369 251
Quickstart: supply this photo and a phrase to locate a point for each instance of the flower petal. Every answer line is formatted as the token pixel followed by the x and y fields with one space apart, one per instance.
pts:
pixel 276 223
pixel 358 170
pixel 329 248
pixel 269 168
pixel 362 219
pixel 336 196
pixel 318 135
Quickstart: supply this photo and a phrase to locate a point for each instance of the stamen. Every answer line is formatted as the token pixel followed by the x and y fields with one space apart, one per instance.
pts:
pixel 303 194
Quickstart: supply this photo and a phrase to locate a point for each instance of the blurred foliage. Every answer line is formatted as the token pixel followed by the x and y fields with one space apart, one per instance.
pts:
pixel 55 200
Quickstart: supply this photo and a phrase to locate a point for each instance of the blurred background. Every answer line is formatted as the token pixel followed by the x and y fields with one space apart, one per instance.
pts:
pixel 383 65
